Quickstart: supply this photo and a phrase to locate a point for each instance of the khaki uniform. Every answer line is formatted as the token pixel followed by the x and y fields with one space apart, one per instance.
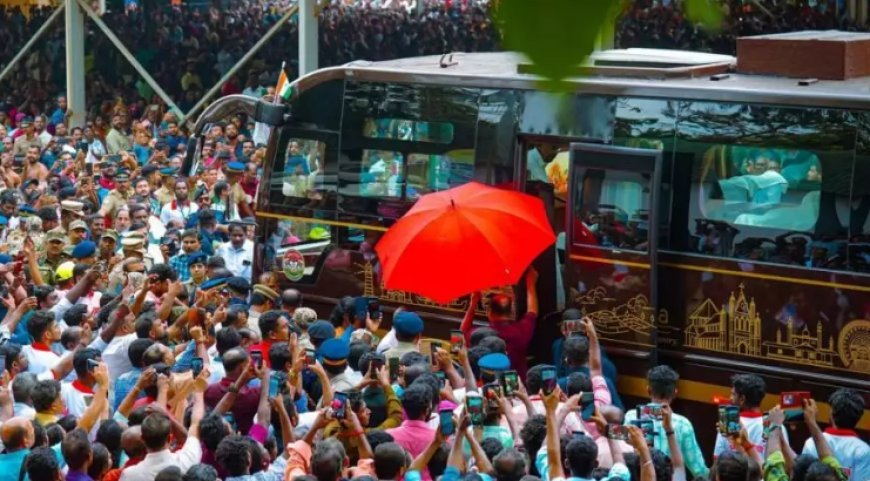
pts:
pixel 115 200
pixel 21 144
pixel 164 196
pixel 47 268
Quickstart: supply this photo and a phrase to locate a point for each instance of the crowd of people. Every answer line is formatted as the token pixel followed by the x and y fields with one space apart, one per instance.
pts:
pixel 187 50
pixel 137 344
pixel 170 381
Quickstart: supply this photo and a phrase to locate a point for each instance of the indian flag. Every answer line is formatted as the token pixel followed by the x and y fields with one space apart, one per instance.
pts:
pixel 284 90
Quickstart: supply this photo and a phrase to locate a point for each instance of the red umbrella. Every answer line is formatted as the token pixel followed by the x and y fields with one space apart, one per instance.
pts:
pixel 463 240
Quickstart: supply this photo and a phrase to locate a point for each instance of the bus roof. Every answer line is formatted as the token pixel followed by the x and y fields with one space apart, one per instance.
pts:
pixel 505 70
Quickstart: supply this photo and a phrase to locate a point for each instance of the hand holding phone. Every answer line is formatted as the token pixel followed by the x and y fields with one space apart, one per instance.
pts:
pixel 548 380
pixel 446 424
pixel 587 406
pixel 196 364
pixel 617 432
pixel 510 383
pixel 257 359
pixel 792 404
pixel 274 385
pixel 729 419
pixel 474 407
pixel 339 405
pixel 457 341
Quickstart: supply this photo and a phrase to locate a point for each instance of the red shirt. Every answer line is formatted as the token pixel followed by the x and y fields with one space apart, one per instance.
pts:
pixel 245 407
pixel 517 336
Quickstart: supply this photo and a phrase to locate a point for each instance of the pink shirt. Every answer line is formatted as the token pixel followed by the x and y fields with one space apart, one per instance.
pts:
pixel 413 436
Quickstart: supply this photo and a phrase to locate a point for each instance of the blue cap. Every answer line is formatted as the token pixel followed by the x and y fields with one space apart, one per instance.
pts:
pixel 212 283
pixel 27 209
pixel 196 258
pixel 495 361
pixel 335 349
pixel 3 220
pixel 84 249
pixel 235 167
pixel 408 323
pixel 239 284
pixel 168 171
pixel 321 330
pixel 5 258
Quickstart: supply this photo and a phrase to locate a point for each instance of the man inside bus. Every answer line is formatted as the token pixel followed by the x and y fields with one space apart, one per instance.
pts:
pixel 662 389
pixel 847 406
pixel 516 333
pixel 568 327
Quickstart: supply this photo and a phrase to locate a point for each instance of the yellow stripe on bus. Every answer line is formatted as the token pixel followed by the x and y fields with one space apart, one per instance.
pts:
pixel 321 221
pixel 716 270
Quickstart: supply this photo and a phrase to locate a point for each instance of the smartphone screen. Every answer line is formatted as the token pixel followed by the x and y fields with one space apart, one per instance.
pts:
pixel 446 422
pixel 491 393
pixel 792 404
pixel 457 341
pixel 196 364
pixel 587 406
pixel 651 411
pixel 474 406
pixel 360 306
pixel 339 405
pixel 394 368
pixel 310 357
pixel 548 379
pixel 374 307
pixel 433 349
pixel 729 419
pixel 648 429
pixel 617 432
pixel 257 358
pixel 510 383
pixel 274 386
pixel 442 378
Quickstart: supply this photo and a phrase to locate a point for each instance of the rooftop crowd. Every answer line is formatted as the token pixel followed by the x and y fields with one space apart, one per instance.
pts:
pixel 136 343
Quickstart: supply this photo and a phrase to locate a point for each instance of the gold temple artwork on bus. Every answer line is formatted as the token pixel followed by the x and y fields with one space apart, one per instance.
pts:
pixel 371 288
pixel 735 328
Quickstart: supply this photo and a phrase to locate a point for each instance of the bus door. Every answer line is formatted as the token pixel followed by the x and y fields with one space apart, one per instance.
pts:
pixel 612 227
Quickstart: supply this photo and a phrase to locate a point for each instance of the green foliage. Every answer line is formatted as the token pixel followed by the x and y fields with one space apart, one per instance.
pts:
pixel 558 35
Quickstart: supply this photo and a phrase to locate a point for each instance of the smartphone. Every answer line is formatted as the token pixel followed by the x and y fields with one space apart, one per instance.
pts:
pixel 228 417
pixel 196 363
pixel 92 364
pixel 572 327
pixel 375 364
pixel 587 406
pixel 617 432
pixel 651 411
pixel 339 405
pixel 548 380
pixel 360 305
pixel 491 392
pixel 2 363
pixel 792 404
pixel 310 357
pixel 82 145
pixel 274 386
pixel 257 358
pixel 648 429
pixel 446 422
pixel 374 307
pixel 442 378
pixel 354 397
pixel 577 434
pixel 474 407
pixel 729 419
pixel 433 349
pixel 457 341
pixel 394 368
pixel 510 383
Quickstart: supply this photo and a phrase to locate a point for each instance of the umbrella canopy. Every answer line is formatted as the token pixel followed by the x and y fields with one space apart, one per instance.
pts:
pixel 463 240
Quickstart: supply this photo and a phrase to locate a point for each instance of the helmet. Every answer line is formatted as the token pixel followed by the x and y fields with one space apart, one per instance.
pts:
pixel 65 271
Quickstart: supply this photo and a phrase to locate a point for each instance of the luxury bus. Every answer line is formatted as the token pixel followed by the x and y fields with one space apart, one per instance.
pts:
pixel 714 221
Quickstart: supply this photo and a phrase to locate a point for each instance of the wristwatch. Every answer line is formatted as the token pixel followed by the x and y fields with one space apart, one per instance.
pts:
pixel 233 389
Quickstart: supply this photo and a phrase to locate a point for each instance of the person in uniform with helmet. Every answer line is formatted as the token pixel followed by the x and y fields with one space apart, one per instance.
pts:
pixel 238 203
pixel 118 197
pixel 54 256
pixel 166 192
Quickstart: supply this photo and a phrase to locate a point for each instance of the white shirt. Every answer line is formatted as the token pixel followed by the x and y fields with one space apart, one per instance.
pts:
pixel 148 468
pixel 852 453
pixel 39 360
pixel 76 401
pixel 239 261
pixel 174 212
pixel 115 355
pixel 388 342
pixel 754 424
pixel 96 151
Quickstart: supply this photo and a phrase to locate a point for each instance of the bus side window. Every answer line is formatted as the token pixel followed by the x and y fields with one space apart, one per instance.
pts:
pixel 303 171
